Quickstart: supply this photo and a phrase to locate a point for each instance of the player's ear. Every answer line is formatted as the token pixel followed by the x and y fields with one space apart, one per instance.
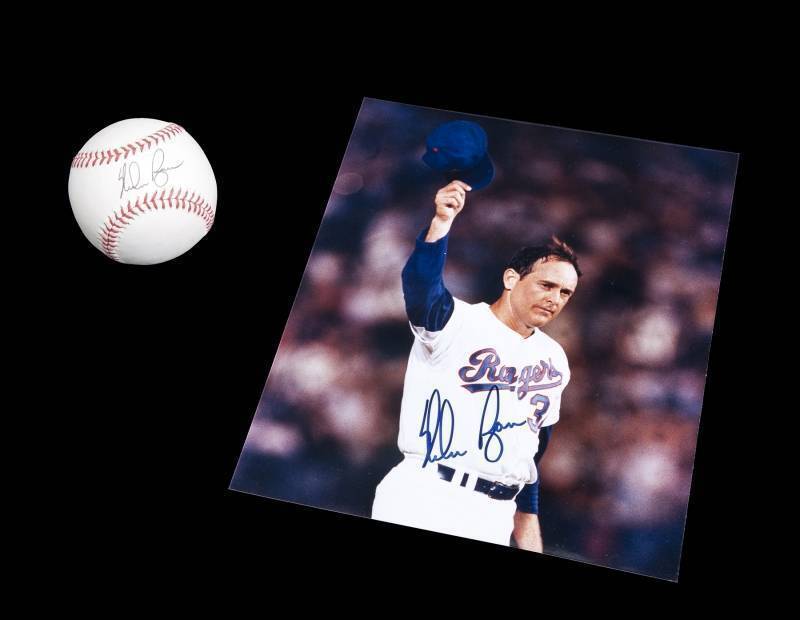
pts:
pixel 510 279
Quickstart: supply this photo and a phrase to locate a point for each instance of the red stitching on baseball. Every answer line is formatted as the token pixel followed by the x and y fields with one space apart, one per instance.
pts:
pixel 115 224
pixel 84 159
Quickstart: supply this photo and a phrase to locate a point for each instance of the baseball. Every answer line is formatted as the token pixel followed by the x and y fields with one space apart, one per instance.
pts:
pixel 142 191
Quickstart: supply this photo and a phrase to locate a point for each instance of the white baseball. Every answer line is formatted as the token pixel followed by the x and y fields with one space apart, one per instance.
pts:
pixel 142 191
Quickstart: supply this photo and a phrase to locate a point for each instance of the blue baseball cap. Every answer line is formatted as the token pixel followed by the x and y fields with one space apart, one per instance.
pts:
pixel 459 150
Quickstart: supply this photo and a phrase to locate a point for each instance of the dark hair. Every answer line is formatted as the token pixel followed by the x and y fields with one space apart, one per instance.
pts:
pixel 522 262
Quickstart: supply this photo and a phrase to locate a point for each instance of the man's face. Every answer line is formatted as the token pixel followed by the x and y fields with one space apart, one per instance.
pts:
pixel 541 295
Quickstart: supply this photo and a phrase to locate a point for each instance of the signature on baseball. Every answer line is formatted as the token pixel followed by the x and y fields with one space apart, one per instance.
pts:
pixel 131 175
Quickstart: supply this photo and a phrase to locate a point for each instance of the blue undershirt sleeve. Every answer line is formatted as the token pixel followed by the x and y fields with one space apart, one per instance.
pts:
pixel 428 303
pixel 528 499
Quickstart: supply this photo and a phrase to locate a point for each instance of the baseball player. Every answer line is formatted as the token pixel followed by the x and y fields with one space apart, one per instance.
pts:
pixel 482 392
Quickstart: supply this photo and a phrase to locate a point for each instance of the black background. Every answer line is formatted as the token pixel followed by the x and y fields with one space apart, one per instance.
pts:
pixel 152 374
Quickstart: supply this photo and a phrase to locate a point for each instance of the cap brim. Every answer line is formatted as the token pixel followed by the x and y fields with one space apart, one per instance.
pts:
pixel 477 177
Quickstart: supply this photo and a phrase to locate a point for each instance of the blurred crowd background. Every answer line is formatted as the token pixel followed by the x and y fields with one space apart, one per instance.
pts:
pixel 648 221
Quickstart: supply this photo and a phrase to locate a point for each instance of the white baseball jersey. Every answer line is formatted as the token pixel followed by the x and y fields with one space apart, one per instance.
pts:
pixel 477 393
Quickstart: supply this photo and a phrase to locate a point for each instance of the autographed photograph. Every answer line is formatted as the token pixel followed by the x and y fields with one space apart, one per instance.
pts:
pixel 502 334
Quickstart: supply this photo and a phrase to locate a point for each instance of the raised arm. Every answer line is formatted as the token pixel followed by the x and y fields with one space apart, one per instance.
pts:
pixel 428 303
pixel 449 202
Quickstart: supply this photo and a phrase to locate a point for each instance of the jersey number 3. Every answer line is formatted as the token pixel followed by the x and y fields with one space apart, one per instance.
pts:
pixel 540 406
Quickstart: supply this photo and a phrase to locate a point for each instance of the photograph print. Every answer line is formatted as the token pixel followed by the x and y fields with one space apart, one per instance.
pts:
pixel 502 334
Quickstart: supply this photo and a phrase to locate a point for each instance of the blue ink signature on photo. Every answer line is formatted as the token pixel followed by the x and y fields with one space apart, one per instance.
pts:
pixel 438 432
pixel 493 437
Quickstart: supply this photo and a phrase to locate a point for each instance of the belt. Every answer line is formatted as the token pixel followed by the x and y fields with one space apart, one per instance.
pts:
pixel 495 490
